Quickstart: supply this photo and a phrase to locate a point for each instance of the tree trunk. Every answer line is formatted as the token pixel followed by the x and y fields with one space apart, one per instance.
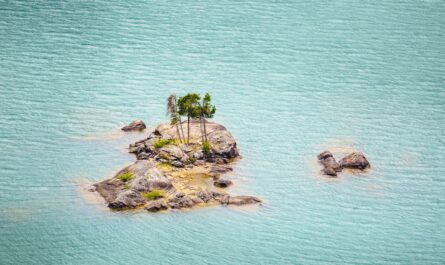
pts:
pixel 182 129
pixel 200 127
pixel 205 130
pixel 188 129
pixel 178 132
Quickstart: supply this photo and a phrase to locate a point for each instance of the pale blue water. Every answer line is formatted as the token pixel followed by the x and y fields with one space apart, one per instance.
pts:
pixel 289 80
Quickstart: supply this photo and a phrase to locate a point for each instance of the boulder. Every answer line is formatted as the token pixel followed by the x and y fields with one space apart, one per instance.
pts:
pixel 324 155
pixel 177 164
pixel 171 152
pixel 329 171
pixel 181 202
pixel 136 125
pixel 330 162
pixel 331 167
pixel 204 195
pixel 222 183
pixel 157 205
pixel 243 200
pixel 147 177
pixel 221 197
pixel 127 199
pixel 355 160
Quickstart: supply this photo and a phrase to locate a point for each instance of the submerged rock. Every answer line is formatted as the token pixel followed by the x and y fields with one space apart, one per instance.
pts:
pixel 136 125
pixel 243 200
pixel 355 160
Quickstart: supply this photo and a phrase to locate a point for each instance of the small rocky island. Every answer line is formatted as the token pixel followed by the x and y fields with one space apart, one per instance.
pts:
pixel 176 170
pixel 354 161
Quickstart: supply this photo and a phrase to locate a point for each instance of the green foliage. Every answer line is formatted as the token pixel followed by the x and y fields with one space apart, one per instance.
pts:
pixel 206 147
pixel 163 142
pixel 126 187
pixel 153 195
pixel 207 109
pixel 126 177
pixel 188 105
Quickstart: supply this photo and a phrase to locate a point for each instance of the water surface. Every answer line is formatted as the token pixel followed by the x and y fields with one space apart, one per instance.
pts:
pixel 289 80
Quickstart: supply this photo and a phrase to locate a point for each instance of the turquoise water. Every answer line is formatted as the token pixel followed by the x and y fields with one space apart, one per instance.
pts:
pixel 289 80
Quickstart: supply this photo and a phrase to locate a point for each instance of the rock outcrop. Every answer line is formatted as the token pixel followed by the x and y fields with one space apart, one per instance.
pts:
pixel 136 125
pixel 354 160
pixel 331 167
pixel 170 174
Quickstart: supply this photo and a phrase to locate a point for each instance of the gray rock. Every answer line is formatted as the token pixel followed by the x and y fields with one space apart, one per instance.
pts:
pixel 176 163
pixel 127 199
pixel 324 155
pixel 330 162
pixel 331 167
pixel 221 197
pixel 186 148
pixel 198 155
pixel 222 183
pixel 179 194
pixel 181 202
pixel 171 152
pixel 146 177
pixel 355 160
pixel 136 125
pixel 205 195
pixel 155 206
pixel 243 200
pixel 330 171
pixel 136 148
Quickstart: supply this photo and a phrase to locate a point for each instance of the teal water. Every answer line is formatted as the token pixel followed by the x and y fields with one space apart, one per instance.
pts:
pixel 289 80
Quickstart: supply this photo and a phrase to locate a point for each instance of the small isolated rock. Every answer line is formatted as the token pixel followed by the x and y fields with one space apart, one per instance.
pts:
pixel 136 125
pixel 324 155
pixel 331 167
pixel 243 200
pixel 222 183
pixel 155 206
pixel 355 160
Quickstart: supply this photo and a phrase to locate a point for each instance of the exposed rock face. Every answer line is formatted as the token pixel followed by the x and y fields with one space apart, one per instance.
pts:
pixel 223 145
pixel 127 199
pixel 136 125
pixel 331 167
pixel 170 169
pixel 156 206
pixel 145 178
pixel 355 160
